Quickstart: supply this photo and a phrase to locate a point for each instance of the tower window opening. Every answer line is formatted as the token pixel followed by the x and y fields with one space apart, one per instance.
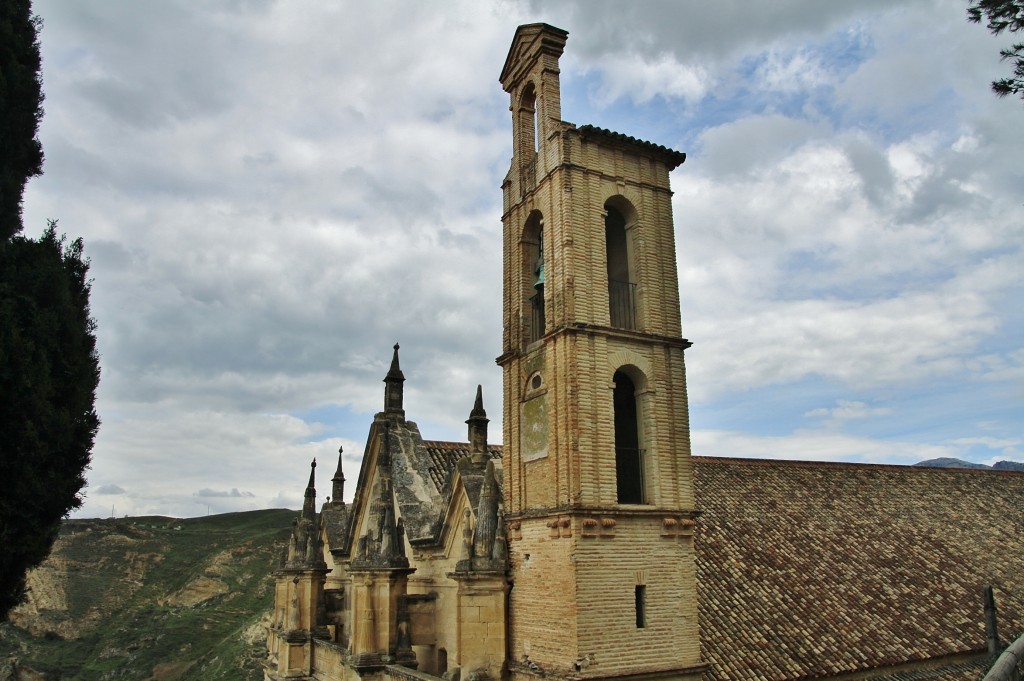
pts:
pixel 536 258
pixel 621 288
pixel 629 472
pixel 538 286
pixel 528 129
pixel 534 321
pixel 640 596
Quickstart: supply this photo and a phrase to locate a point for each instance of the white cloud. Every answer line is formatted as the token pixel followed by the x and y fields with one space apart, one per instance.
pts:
pixel 273 194
pixel 232 493
pixel 642 79
pixel 109 489
pixel 810 445
pixel 846 410
pixel 793 71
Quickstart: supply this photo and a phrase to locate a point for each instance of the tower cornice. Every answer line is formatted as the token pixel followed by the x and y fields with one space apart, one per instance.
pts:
pixel 530 42
pixel 595 329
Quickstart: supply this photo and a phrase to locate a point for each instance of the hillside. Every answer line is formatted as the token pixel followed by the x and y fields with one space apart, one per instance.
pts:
pixel 948 462
pixel 149 598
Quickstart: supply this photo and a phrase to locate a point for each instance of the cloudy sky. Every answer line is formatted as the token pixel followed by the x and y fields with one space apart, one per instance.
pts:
pixel 273 193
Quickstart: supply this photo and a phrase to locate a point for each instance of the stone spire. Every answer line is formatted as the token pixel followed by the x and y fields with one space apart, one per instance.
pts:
pixel 304 550
pixel 383 544
pixel 393 387
pixel 308 504
pixel 477 423
pixel 338 486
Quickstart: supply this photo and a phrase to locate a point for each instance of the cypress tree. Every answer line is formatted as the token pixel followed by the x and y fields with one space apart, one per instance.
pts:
pixel 49 369
pixel 21 109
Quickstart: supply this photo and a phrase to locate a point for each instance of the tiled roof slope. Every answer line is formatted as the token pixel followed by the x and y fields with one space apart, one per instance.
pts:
pixel 958 670
pixel 809 570
pixel 813 569
pixel 443 456
pixel 672 157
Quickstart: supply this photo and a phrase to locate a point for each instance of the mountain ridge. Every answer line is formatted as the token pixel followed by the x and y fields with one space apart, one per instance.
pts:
pixel 950 462
pixel 125 597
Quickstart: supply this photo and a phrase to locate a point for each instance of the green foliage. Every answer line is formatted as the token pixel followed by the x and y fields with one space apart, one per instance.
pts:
pixel 21 99
pixel 49 371
pixel 1003 15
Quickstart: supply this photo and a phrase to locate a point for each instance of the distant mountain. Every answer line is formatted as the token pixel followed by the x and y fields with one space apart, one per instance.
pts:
pixel 149 598
pixel 949 462
pixel 1009 465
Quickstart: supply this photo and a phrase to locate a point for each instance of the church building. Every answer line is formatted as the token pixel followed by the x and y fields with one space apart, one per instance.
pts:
pixel 592 544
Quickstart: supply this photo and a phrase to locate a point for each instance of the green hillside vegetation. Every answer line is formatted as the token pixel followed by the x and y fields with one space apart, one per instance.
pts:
pixel 149 598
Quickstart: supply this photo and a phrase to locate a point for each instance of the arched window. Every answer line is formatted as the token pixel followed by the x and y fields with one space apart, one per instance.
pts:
pixel 621 284
pixel 528 125
pixel 629 457
pixel 533 277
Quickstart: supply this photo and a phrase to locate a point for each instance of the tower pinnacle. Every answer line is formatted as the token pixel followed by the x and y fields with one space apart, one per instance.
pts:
pixel 477 423
pixel 338 487
pixel 308 510
pixel 393 387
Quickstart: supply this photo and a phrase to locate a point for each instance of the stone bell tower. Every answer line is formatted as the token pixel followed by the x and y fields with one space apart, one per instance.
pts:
pixel 598 477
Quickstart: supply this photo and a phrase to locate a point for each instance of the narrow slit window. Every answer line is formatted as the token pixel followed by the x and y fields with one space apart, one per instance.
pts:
pixel 640 596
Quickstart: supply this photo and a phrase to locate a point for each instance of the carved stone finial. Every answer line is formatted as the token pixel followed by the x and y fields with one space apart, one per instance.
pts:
pixel 290 556
pixel 338 481
pixel 293 607
pixel 466 563
pixel 486 516
pixel 477 423
pixel 400 539
pixel 393 387
pixel 500 551
pixel 308 508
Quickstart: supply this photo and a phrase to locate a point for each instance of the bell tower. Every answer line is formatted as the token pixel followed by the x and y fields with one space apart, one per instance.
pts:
pixel 598 478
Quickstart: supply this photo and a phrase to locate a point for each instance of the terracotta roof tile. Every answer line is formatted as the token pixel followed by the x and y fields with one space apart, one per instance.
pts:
pixel 443 456
pixel 672 157
pixel 810 569
pixel 850 567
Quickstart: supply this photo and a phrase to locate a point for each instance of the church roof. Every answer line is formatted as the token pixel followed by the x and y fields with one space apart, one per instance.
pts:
pixel 809 569
pixel 815 569
pixel 443 456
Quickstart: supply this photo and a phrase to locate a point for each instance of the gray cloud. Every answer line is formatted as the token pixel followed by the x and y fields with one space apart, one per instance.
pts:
pixel 273 194
pixel 233 493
